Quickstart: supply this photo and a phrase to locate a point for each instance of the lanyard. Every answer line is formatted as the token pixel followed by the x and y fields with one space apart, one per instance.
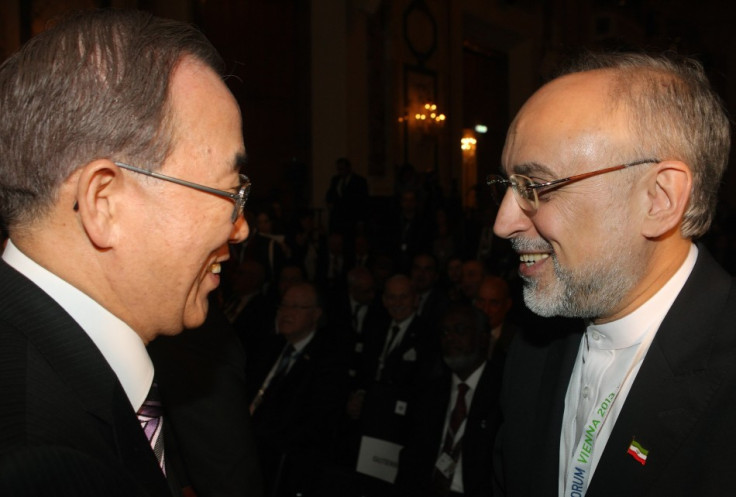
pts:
pixel 580 466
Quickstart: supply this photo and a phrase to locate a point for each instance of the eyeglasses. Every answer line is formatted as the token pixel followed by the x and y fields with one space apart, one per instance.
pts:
pixel 526 191
pixel 239 198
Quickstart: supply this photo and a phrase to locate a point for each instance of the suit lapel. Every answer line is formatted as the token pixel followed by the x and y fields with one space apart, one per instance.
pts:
pixel 408 341
pixel 672 389
pixel 550 409
pixel 79 364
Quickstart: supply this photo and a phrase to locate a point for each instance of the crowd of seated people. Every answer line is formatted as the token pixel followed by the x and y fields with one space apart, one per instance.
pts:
pixel 342 328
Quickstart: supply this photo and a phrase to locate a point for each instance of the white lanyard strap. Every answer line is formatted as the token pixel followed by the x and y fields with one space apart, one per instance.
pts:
pixel 580 466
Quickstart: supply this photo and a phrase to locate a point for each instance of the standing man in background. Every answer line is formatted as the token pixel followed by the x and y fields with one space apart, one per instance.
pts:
pixel 121 189
pixel 611 172
pixel 346 200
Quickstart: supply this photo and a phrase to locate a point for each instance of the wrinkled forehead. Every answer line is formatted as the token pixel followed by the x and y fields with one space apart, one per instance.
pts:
pixel 570 125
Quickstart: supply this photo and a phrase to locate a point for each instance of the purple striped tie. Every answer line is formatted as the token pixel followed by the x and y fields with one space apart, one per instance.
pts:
pixel 151 417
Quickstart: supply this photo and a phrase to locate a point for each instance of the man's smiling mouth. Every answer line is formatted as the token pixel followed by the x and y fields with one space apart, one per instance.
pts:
pixel 531 259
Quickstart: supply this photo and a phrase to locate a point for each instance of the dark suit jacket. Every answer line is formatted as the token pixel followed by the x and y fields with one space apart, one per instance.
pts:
pixel 418 458
pixel 341 324
pixel 66 425
pixel 680 406
pixel 435 307
pixel 299 414
pixel 411 362
pixel 334 287
pixel 348 207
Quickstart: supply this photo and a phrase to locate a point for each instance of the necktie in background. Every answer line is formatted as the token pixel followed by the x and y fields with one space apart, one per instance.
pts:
pixel 283 367
pixel 442 481
pixel 356 312
pixel 151 418
pixel 459 413
pixel 387 346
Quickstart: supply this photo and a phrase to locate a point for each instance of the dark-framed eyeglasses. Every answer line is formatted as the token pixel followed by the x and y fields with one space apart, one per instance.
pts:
pixel 527 191
pixel 239 198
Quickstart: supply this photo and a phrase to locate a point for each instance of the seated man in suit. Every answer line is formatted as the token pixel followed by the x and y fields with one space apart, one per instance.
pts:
pixel 432 298
pixel 303 386
pixel 454 419
pixel 400 353
pixel 356 311
pixel 472 273
pixel 121 149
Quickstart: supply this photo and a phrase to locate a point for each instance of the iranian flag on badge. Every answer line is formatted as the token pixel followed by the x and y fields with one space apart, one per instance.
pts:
pixel 638 452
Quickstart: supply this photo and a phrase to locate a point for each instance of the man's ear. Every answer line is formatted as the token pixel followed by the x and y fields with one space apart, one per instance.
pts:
pixel 668 195
pixel 98 184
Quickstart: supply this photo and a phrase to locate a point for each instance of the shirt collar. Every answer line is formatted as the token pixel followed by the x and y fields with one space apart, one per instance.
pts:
pixel 299 346
pixel 405 323
pixel 630 329
pixel 121 347
pixel 472 380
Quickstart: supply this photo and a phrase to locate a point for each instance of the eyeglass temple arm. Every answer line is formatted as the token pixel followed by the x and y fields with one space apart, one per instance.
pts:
pixel 163 177
pixel 583 176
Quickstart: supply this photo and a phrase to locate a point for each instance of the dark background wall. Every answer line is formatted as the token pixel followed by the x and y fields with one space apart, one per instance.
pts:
pixel 322 79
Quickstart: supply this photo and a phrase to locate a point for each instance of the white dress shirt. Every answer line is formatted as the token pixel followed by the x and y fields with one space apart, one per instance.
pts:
pixel 121 347
pixel 360 317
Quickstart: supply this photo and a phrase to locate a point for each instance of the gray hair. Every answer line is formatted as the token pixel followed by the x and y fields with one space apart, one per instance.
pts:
pixel 95 85
pixel 676 115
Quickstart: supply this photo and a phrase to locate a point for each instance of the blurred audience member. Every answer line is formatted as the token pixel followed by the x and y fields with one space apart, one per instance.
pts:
pixel 346 198
pixel 444 244
pixel 264 246
pixel 411 232
pixel 455 417
pixel 306 241
pixel 297 396
pixel 473 273
pixel 399 354
pixel 431 298
pixel 495 301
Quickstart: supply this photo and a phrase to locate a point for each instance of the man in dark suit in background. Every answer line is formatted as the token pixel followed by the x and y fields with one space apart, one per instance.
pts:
pixel 431 297
pixel 356 312
pixel 121 151
pixel 346 200
pixel 409 233
pixel 399 354
pixel 455 417
pixel 613 172
pixel 301 391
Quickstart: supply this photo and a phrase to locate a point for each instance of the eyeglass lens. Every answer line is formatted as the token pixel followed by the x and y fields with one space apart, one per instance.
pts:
pixel 525 196
pixel 243 194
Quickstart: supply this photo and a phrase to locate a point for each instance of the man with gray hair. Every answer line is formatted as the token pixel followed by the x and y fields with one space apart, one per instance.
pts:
pixel 611 173
pixel 120 157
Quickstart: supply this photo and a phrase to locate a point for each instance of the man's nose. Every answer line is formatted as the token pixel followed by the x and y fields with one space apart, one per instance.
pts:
pixel 511 219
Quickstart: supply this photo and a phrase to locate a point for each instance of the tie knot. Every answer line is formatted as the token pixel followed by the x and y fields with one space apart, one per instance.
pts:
pixel 462 388
pixel 151 407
